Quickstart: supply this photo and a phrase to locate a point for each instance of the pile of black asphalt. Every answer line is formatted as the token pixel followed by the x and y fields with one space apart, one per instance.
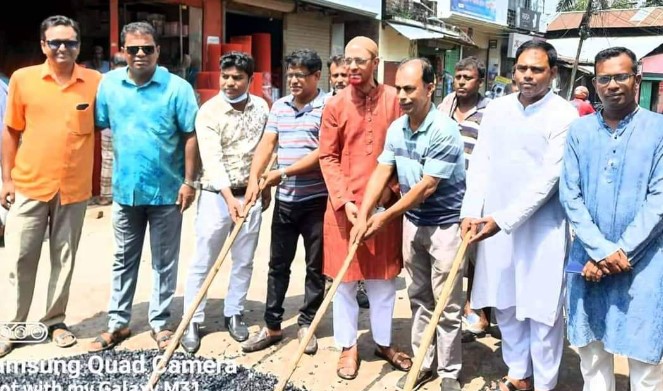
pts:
pixel 127 370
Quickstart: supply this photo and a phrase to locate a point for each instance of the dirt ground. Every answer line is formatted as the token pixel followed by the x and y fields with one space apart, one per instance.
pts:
pixel 89 300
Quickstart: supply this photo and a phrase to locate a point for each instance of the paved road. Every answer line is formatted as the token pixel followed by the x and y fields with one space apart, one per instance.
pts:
pixel 89 300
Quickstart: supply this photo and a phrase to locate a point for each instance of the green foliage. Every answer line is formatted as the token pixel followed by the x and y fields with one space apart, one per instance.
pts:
pixel 581 5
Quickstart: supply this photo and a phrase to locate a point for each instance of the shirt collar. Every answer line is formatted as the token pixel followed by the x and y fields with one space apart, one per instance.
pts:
pixel 228 108
pixel 160 76
pixel 316 103
pixel 47 71
pixel 622 124
pixel 538 103
pixel 428 121
pixel 481 104
pixel 359 94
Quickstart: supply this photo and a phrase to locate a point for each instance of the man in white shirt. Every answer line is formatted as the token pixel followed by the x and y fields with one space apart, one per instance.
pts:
pixel 511 204
pixel 229 127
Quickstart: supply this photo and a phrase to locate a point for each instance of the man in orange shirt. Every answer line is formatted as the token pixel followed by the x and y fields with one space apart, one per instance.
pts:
pixel 352 136
pixel 47 180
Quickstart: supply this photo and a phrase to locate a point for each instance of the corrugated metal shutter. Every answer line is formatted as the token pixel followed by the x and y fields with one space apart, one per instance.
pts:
pixel 309 30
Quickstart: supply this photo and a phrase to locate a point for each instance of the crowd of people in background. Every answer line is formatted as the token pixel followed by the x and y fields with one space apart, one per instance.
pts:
pixel 562 205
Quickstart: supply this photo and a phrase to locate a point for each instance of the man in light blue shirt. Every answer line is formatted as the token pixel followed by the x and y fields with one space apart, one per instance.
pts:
pixel 151 114
pixel 424 147
pixel 611 188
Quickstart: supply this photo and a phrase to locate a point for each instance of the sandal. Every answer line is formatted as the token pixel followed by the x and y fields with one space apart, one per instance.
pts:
pixel 496 385
pixel 161 337
pixel 6 347
pixel 61 335
pixel 348 364
pixel 108 340
pixel 398 360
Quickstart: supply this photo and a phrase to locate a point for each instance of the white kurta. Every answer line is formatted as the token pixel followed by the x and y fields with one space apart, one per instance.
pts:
pixel 514 177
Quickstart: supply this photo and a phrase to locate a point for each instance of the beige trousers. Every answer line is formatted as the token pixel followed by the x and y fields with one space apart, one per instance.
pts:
pixel 428 253
pixel 26 226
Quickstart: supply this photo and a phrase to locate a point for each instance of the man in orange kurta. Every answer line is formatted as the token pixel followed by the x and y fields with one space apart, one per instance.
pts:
pixel 352 136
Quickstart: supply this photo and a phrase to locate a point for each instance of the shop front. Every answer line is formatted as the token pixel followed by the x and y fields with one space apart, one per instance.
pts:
pixel 651 87
pixel 179 24
pixel 442 46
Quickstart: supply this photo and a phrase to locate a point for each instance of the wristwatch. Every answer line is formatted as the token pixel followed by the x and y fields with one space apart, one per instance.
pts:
pixel 191 184
pixel 284 177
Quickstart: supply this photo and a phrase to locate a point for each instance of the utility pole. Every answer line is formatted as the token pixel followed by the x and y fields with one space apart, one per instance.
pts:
pixel 584 33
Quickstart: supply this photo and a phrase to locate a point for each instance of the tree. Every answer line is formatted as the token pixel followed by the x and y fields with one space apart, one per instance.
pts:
pixel 579 5
pixel 654 3
pixel 622 4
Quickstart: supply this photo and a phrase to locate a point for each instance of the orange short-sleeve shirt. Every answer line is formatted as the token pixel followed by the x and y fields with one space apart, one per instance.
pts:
pixel 56 122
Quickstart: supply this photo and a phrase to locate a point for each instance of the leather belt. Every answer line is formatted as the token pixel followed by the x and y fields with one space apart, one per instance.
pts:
pixel 236 191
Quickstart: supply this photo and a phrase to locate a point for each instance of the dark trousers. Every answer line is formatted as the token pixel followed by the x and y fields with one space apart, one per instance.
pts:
pixel 290 220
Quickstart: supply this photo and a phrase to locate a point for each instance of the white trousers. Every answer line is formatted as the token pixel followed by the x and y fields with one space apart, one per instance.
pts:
pixel 531 348
pixel 213 225
pixel 598 371
pixel 381 296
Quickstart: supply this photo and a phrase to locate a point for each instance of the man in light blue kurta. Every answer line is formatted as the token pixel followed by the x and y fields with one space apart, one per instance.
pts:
pixel 151 114
pixel 612 191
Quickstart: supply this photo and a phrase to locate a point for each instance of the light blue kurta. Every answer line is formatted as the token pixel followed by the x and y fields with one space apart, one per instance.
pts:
pixel 612 191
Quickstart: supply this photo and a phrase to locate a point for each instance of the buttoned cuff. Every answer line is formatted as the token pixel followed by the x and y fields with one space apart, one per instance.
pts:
pixel 501 222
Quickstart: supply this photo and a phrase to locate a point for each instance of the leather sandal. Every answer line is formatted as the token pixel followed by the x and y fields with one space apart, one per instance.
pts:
pixel 348 364
pixel 398 360
pixel 496 385
pixel 6 347
pixel 61 335
pixel 108 340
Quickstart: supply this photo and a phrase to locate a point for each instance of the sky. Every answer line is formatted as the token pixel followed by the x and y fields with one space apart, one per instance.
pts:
pixel 549 11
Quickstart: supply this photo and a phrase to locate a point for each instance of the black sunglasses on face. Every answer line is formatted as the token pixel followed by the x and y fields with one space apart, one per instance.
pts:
pixel 147 49
pixel 54 44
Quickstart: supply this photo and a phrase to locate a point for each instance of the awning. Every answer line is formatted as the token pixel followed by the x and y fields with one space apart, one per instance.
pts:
pixel 567 62
pixel 415 33
pixel 641 46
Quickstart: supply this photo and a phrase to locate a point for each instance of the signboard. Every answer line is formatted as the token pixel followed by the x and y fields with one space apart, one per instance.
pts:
pixel 515 40
pixel 489 10
pixel 527 19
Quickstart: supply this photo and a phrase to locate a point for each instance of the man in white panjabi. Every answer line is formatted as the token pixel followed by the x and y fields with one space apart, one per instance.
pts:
pixel 512 208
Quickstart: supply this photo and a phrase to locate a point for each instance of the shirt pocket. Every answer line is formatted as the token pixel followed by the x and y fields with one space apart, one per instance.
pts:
pixel 82 119
pixel 164 122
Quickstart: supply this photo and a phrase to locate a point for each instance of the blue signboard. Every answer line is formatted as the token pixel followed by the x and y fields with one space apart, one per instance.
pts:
pixel 482 9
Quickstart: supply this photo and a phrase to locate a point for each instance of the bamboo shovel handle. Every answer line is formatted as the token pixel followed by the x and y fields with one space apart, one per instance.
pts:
pixel 186 319
pixel 442 300
pixel 318 317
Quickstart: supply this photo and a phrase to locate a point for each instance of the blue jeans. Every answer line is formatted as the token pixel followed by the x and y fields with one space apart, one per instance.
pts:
pixel 129 224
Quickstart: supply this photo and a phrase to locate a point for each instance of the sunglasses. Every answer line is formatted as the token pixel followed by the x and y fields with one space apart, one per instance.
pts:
pixel 360 61
pixel 619 78
pixel 147 49
pixel 54 44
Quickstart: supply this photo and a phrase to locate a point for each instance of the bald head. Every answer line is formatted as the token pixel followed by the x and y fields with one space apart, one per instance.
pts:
pixel 364 43
pixel 419 66
pixel 581 92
